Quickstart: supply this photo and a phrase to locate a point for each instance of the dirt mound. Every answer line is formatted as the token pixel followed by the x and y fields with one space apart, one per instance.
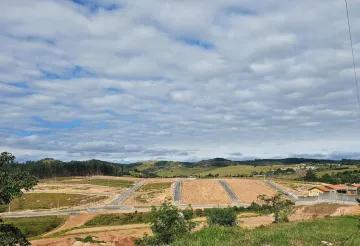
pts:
pixel 322 210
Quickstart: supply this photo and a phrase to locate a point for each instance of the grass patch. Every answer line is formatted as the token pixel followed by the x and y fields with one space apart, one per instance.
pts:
pixel 156 186
pixel 36 226
pixel 111 183
pixel 336 230
pixel 88 239
pixel 117 219
pixel 36 201
pixel 241 169
pixel 118 183
pixel 146 165
pixel 179 171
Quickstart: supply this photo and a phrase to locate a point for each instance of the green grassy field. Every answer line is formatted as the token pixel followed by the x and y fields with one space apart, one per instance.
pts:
pixel 241 169
pixel 146 165
pixel 184 171
pixel 36 226
pixel 330 171
pixel 117 219
pixel 336 230
pixel 155 186
pixel 36 201
pixel 102 182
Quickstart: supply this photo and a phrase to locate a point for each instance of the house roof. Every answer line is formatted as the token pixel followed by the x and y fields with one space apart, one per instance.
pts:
pixel 355 185
pixel 337 187
pixel 322 188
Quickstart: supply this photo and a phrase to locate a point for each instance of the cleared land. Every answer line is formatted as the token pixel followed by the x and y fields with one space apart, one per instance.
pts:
pixel 248 190
pixel 75 188
pixel 36 226
pixel 205 191
pixel 151 194
pixel 36 201
pixel 295 188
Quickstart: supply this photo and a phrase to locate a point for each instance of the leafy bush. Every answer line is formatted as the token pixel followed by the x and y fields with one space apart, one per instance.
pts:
pixel 167 224
pixel 188 213
pixel 199 212
pixel 277 205
pixel 88 239
pixel 222 217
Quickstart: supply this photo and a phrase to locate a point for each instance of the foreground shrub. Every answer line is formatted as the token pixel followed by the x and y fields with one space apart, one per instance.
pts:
pixel 222 217
pixel 279 206
pixel 167 223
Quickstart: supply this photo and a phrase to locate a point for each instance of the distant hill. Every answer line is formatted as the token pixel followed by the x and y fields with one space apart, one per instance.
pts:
pixel 216 162
pixel 50 167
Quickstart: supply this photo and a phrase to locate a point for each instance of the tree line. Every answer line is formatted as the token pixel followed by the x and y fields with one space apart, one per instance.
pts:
pixel 50 168
pixel 348 177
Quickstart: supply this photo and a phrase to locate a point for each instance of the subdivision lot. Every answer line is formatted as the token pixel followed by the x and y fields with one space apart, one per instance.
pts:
pixel 248 190
pixel 294 187
pixel 76 188
pixel 203 191
pixel 36 201
pixel 151 194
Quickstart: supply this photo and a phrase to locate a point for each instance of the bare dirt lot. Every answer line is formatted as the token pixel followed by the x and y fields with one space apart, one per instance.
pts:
pixel 248 190
pixel 152 193
pixel 80 188
pixel 294 187
pixel 204 191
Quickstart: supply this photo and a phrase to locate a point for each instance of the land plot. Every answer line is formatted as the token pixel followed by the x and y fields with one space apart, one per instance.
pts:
pixel 203 191
pixel 36 201
pixel 76 188
pixel 152 194
pixel 293 187
pixel 248 190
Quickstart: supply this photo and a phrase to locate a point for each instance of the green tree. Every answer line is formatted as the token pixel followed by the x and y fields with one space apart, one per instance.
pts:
pixel 167 223
pixel 310 176
pixel 279 206
pixel 11 184
pixel 222 217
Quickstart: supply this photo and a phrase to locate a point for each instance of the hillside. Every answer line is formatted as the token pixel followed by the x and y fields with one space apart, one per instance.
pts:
pixel 335 230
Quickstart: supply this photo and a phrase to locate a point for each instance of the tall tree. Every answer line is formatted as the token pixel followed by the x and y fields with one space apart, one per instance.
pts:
pixel 11 185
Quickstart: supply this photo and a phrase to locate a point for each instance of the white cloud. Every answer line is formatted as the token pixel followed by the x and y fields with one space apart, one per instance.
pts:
pixel 143 81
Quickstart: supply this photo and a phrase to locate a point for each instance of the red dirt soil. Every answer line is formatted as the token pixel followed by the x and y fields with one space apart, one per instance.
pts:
pixel 248 190
pixel 203 191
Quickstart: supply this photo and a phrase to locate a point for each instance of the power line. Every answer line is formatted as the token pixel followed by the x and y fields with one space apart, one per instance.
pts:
pixel 352 52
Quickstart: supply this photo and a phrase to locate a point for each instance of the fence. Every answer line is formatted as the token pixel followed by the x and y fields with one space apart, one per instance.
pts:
pixel 328 198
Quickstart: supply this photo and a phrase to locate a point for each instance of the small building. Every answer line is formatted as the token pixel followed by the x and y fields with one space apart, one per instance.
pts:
pixel 315 191
pixel 353 189
pixel 340 189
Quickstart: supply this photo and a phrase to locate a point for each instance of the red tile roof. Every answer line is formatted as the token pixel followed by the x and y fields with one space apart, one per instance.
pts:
pixel 322 188
pixel 356 185
pixel 337 187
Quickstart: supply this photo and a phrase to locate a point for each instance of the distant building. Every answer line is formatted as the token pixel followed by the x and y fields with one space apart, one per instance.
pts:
pixel 334 189
pixel 315 191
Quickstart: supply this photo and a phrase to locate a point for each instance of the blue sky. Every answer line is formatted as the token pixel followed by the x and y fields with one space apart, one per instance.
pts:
pixel 182 80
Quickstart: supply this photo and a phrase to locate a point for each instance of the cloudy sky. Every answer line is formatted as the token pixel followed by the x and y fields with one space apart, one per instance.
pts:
pixel 178 79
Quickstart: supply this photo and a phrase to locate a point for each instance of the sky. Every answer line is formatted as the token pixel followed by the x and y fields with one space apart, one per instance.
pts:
pixel 183 80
